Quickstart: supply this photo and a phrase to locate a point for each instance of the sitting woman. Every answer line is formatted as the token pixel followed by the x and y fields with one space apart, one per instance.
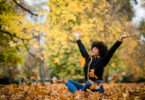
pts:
pixel 94 64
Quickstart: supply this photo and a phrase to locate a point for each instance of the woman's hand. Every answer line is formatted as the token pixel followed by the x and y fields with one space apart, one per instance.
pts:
pixel 77 35
pixel 125 36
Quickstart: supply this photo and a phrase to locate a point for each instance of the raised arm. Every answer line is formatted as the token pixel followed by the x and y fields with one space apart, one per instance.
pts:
pixel 105 60
pixel 82 49
pixel 81 46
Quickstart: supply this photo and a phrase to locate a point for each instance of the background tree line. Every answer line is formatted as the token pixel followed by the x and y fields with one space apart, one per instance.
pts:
pixel 51 48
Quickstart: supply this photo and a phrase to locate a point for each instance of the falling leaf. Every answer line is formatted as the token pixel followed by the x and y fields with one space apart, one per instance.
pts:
pixel 82 61
pixel 14 74
pixel 114 78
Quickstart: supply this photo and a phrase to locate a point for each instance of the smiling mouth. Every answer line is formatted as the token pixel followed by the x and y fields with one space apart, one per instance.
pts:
pixel 92 53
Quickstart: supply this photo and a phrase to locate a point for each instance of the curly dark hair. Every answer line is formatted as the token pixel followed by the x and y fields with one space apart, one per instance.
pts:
pixel 103 49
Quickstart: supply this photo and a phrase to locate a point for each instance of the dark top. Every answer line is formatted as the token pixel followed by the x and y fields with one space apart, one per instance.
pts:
pixel 97 63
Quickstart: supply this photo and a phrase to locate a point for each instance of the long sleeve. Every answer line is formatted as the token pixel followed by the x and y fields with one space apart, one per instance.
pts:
pixel 82 49
pixel 105 60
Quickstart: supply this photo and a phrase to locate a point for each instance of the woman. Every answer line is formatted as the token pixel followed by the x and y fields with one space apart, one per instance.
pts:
pixel 94 64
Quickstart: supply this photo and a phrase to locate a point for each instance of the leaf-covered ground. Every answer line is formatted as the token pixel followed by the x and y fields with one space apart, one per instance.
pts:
pixel 117 91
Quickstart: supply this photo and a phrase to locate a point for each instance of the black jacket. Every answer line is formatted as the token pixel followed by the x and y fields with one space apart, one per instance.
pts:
pixel 97 63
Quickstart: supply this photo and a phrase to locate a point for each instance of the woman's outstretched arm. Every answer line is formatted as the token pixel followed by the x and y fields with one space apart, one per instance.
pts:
pixel 81 46
pixel 105 60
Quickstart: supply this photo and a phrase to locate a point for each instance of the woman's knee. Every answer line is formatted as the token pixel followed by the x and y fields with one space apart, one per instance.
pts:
pixel 88 84
pixel 67 80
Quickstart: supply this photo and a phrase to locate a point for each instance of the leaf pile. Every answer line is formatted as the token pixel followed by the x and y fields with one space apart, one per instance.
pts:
pixel 42 91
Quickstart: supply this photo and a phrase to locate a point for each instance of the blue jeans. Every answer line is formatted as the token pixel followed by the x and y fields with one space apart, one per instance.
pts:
pixel 74 86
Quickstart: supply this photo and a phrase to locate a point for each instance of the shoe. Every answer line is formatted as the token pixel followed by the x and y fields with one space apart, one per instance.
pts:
pixel 101 90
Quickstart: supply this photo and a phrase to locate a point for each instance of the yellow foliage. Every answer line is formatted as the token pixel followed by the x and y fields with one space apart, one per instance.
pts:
pixel 82 61
pixel 12 44
pixel 56 60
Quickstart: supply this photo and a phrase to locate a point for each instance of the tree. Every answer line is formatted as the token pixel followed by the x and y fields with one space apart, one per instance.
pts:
pixel 95 20
pixel 18 35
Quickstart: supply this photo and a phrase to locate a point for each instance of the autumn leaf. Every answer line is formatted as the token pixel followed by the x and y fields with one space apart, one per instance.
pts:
pixel 14 74
pixel 117 91
pixel 82 61
pixel 114 78
pixel 34 77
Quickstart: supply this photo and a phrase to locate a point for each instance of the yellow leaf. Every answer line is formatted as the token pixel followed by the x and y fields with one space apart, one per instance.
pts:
pixel 82 61
pixel 12 44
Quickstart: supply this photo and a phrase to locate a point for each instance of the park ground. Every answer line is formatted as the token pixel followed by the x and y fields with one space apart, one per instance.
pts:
pixel 42 91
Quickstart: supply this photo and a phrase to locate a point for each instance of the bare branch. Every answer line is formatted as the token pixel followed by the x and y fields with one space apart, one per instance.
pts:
pixel 12 38
pixel 14 35
pixel 28 50
pixel 24 8
pixel 23 41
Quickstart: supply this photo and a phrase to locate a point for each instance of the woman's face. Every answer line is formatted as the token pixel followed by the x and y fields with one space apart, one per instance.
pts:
pixel 95 51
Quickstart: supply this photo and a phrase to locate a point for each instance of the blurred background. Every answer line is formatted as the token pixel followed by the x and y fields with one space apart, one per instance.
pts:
pixel 37 42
